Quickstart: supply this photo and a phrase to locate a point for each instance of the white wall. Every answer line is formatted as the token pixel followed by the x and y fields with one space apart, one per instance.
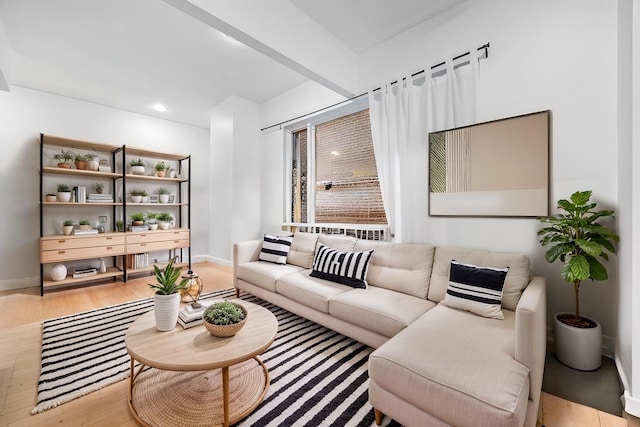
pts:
pixel 25 114
pixel 234 181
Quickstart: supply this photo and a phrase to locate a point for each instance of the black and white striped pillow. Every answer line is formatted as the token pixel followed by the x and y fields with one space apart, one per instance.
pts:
pixel 476 289
pixel 275 248
pixel 348 268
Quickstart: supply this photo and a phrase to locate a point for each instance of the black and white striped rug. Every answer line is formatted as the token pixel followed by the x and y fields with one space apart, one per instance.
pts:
pixel 318 377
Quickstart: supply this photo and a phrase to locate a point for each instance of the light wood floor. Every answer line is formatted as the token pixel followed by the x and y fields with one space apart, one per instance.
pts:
pixel 23 310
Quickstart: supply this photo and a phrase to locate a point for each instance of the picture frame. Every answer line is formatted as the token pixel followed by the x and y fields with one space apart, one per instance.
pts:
pixel 172 198
pixel 153 198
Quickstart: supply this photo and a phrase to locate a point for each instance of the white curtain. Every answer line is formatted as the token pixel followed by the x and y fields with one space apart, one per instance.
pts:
pixel 402 115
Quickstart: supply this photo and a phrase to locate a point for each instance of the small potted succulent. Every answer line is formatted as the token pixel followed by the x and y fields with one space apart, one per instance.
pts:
pixel 82 159
pixel 137 218
pixel 137 166
pixel 85 224
pixel 120 225
pixel 136 195
pixel 64 158
pixel 50 197
pixel 167 295
pixel 144 196
pixel 161 168
pixel 67 227
pixel 163 195
pixel 224 319
pixel 164 219
pixel 152 222
pixel 63 192
pixel 99 187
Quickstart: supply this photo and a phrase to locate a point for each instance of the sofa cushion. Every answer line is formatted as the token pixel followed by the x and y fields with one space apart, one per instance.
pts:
pixel 337 241
pixel 516 280
pixel 401 267
pixel 464 363
pixel 303 248
pixel 309 291
pixel 476 289
pixel 348 268
pixel 378 309
pixel 264 274
pixel 275 248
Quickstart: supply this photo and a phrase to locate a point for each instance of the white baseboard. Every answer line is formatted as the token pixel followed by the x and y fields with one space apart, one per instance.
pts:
pixel 24 282
pixel 212 259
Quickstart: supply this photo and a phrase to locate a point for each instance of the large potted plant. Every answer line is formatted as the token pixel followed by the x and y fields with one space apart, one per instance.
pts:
pixel 580 242
pixel 167 296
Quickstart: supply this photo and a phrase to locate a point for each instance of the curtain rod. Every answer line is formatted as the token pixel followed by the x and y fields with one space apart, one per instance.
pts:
pixel 484 47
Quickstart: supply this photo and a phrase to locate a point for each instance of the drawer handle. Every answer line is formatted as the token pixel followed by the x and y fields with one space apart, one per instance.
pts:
pixel 109 248
pixel 62 241
pixel 109 238
pixel 143 235
pixel 62 252
pixel 176 241
pixel 143 244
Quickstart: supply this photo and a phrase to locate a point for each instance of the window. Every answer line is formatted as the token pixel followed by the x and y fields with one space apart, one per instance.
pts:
pixel 344 179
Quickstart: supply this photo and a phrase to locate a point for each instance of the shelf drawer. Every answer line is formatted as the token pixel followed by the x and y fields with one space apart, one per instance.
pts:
pixel 81 253
pixel 157 236
pixel 73 242
pixel 137 248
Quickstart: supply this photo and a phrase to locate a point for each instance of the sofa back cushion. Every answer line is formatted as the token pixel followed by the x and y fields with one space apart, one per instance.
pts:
pixel 302 250
pixel 516 280
pixel 400 267
pixel 338 241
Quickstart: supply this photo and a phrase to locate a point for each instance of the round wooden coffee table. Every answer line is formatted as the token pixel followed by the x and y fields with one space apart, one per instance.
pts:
pixel 199 379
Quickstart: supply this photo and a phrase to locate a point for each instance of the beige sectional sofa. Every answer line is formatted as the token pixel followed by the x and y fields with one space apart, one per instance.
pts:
pixel 433 365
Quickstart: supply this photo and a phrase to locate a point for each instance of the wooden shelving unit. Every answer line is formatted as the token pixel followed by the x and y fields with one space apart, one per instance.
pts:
pixel 112 244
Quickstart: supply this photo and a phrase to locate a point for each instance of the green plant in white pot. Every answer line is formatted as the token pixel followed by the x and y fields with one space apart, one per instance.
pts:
pixel 167 296
pixel 580 242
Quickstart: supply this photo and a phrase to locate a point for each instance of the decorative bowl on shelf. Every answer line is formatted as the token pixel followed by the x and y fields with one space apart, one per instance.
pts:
pixel 224 331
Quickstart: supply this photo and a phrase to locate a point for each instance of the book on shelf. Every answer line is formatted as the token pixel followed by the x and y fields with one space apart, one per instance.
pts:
pixel 99 200
pixel 84 232
pixel 135 261
pixel 84 272
pixel 139 228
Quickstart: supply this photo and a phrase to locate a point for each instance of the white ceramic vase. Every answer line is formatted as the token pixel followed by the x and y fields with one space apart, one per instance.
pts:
pixel 137 170
pixel 64 196
pixel 167 308
pixel 163 198
pixel 93 165
pixel 578 348
pixel 58 272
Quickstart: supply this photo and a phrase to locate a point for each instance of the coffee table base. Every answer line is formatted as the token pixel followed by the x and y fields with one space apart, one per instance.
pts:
pixel 196 398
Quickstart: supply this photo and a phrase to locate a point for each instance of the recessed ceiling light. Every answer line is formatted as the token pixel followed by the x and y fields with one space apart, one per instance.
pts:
pixel 159 107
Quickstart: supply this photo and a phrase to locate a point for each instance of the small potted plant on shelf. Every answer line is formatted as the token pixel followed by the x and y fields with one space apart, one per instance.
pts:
pixel 144 196
pixel 85 224
pixel 137 218
pixel 167 295
pixel 93 164
pixel 152 222
pixel 99 187
pixel 137 166
pixel 50 197
pixel 580 242
pixel 64 158
pixel 224 319
pixel 120 225
pixel 163 195
pixel 67 227
pixel 81 160
pixel 136 195
pixel 164 219
pixel 161 168
pixel 63 192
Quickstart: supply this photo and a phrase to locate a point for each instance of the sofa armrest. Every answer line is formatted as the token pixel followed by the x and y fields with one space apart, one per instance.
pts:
pixel 531 333
pixel 245 252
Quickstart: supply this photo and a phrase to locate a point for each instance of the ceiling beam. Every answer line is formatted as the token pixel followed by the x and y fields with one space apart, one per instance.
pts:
pixel 282 32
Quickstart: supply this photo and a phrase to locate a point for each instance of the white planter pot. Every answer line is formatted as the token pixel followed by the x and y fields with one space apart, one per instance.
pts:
pixel 144 199
pixel 58 272
pixel 64 196
pixel 137 170
pixel 67 229
pixel 578 348
pixel 152 225
pixel 163 225
pixel 166 308
pixel 136 199
pixel 164 198
pixel 93 165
